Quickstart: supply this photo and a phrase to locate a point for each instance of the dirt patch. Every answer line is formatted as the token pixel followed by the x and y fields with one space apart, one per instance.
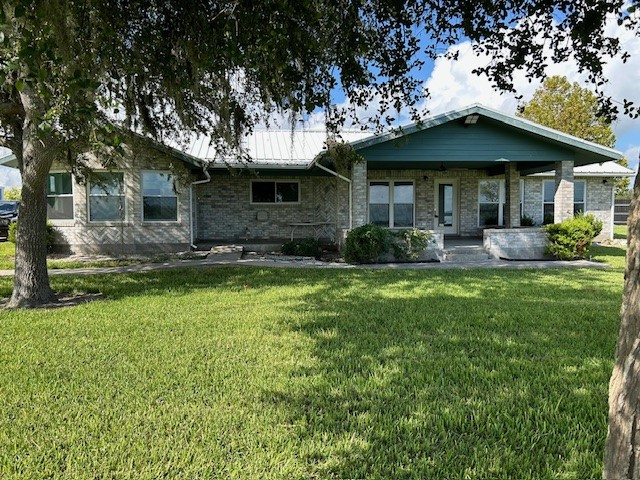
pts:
pixel 66 300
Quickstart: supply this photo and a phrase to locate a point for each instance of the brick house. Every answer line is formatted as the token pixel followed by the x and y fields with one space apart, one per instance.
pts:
pixel 472 172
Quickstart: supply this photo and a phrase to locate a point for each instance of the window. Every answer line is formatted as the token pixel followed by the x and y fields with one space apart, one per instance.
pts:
pixel 60 196
pixel 579 194
pixel 548 192
pixel 159 201
pixel 491 203
pixel 391 204
pixel 275 192
pixel 106 197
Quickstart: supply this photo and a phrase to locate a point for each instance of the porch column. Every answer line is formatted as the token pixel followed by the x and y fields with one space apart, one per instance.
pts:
pixel 359 194
pixel 512 196
pixel 563 198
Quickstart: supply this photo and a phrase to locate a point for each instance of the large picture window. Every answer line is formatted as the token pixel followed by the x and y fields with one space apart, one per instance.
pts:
pixel 391 204
pixel 159 200
pixel 106 197
pixel 60 196
pixel 491 203
pixel 275 192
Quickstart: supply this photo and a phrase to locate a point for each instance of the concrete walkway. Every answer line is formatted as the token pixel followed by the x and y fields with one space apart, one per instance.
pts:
pixel 276 261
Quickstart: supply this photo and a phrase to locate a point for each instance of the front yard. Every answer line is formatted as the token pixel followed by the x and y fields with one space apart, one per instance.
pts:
pixel 254 373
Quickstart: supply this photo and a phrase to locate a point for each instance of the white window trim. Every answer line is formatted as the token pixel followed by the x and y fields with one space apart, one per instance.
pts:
pixel 584 190
pixel 124 196
pixel 142 196
pixel 544 182
pixel 64 221
pixel 391 203
pixel 281 180
pixel 502 197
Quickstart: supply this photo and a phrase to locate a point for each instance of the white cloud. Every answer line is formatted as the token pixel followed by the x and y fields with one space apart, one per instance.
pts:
pixel 452 85
pixel 632 154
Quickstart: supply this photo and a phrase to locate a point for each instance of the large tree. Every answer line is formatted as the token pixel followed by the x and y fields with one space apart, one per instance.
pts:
pixel 573 109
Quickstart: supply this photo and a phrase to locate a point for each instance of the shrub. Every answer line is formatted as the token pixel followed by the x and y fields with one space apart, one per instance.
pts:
pixel 526 221
pixel 306 247
pixel 51 234
pixel 572 238
pixel 366 244
pixel 409 244
pixel 369 243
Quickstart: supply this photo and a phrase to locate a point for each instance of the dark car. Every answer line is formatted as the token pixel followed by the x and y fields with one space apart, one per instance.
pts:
pixel 8 215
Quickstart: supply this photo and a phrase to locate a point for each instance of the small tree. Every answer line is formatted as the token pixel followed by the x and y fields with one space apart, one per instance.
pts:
pixel 12 193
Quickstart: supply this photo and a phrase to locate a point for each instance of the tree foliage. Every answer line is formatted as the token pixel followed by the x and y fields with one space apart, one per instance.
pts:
pixel 571 109
pixel 12 193
pixel 575 110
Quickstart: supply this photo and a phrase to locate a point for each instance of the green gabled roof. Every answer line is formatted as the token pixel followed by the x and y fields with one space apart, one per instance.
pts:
pixel 551 145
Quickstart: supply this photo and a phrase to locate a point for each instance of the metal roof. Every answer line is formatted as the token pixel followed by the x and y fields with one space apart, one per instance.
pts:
pixel 606 169
pixel 272 148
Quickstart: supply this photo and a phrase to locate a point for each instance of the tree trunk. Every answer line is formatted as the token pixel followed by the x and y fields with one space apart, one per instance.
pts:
pixel 622 449
pixel 31 281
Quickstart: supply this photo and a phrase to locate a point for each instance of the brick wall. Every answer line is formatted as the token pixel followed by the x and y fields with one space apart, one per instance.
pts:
pixel 133 235
pixel 225 211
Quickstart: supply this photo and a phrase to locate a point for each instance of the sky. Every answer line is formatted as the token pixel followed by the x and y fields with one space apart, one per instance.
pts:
pixel 453 86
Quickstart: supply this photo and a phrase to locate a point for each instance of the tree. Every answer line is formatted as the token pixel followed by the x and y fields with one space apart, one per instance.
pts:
pixel 12 193
pixel 575 110
pixel 570 108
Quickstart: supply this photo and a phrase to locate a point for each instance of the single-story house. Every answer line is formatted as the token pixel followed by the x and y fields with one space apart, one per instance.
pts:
pixel 473 172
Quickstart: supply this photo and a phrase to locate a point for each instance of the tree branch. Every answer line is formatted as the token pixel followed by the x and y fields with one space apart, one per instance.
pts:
pixel 11 108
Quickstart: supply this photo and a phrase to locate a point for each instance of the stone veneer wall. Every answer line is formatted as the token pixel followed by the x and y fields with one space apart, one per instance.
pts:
pixel 133 235
pixel 225 211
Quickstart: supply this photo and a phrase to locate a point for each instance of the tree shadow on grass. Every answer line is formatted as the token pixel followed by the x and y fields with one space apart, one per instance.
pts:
pixel 421 377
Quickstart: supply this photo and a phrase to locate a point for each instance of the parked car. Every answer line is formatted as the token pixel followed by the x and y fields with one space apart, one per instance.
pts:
pixel 8 215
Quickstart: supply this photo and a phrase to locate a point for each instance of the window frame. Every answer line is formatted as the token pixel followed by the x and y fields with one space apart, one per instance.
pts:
pixel 275 191
pixel 391 186
pixel 584 196
pixel 142 196
pixel 502 199
pixel 64 195
pixel 123 195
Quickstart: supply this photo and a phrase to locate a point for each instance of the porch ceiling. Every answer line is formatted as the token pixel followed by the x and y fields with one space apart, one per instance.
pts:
pixel 492 167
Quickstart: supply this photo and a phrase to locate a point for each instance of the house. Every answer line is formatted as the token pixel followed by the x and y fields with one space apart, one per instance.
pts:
pixel 473 172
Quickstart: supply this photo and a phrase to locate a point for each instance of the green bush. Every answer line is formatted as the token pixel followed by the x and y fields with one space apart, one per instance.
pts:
pixel 366 244
pixel 572 238
pixel 526 221
pixel 369 243
pixel 306 247
pixel 51 234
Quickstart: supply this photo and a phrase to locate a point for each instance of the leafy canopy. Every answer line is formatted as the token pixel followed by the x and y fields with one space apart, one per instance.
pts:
pixel 575 110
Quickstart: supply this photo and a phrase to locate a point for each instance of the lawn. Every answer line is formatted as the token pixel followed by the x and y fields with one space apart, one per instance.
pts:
pixel 251 373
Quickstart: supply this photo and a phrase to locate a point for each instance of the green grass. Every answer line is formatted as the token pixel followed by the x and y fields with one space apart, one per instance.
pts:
pixel 620 231
pixel 8 252
pixel 251 373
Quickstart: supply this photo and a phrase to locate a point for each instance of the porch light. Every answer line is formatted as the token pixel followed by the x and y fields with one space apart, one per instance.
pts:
pixel 471 119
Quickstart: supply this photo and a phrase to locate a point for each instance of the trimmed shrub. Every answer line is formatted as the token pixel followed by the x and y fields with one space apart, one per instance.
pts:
pixel 51 234
pixel 306 247
pixel 526 221
pixel 572 238
pixel 370 243
pixel 366 244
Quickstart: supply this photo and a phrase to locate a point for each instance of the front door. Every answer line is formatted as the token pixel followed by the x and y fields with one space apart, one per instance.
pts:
pixel 446 201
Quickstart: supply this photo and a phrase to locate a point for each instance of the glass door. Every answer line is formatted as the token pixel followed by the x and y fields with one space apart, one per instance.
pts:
pixel 446 201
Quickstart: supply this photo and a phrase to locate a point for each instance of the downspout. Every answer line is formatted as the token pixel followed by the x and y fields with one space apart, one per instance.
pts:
pixel 341 177
pixel 198 182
